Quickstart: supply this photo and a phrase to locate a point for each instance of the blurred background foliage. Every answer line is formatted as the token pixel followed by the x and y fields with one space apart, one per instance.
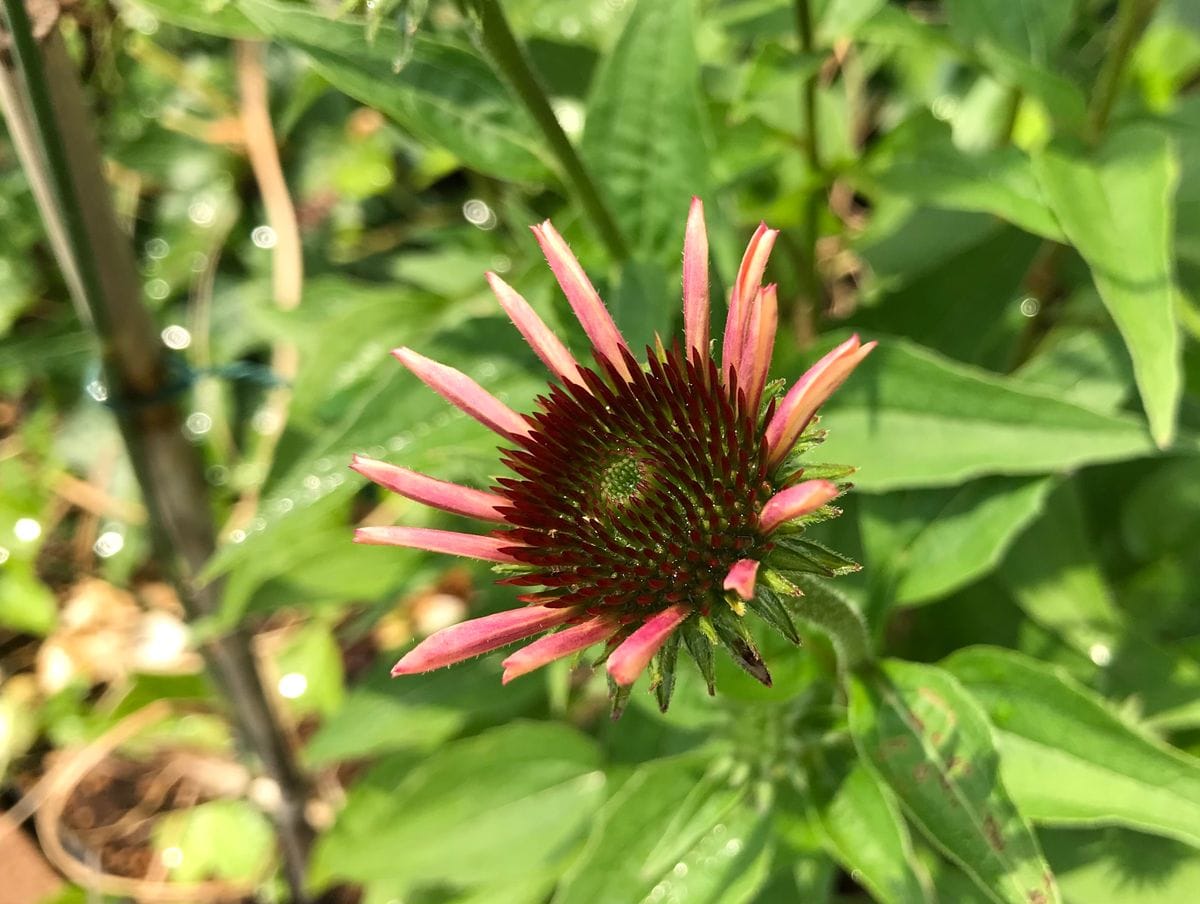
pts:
pixel 1005 195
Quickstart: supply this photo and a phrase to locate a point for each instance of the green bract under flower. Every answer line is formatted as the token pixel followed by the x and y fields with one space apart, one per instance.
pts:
pixel 650 503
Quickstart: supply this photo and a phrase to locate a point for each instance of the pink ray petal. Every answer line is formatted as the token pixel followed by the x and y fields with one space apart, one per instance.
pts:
pixel 759 342
pixel 478 636
pixel 810 393
pixel 449 497
pixel 583 298
pixel 742 577
pixel 555 646
pixel 490 549
pixel 630 659
pixel 695 281
pixel 541 339
pixel 795 501
pixel 749 278
pixel 464 393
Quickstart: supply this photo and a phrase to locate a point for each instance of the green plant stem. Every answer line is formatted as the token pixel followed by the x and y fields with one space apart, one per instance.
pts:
pixel 810 276
pixel 514 66
pixel 808 93
pixel 1132 18
pixel 43 102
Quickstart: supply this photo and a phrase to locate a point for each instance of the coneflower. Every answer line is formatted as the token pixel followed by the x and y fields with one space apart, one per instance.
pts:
pixel 650 505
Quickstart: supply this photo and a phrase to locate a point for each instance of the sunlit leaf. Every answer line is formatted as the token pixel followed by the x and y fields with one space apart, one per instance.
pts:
pixel 1117 209
pixel 932 745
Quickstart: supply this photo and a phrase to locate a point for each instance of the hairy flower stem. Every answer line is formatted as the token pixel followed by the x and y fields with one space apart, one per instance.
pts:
pixel 1132 18
pixel 511 60
pixel 45 108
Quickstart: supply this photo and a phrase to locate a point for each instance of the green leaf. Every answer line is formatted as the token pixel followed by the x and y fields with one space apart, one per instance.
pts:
pixel 919 161
pixel 668 835
pixel 1053 575
pixel 488 808
pixel 1084 367
pixel 1066 758
pixel 841 18
pixel 930 543
pixel 643 305
pixel 442 93
pixel 418 714
pixel 926 264
pixel 1032 28
pixel 645 137
pixel 863 828
pixel 1116 866
pixel 1117 209
pixel 310 670
pixel 26 604
pixel 224 839
pixel 211 17
pixel 910 418
pixel 933 746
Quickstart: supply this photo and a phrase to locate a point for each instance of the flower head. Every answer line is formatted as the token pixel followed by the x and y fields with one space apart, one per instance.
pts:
pixel 650 505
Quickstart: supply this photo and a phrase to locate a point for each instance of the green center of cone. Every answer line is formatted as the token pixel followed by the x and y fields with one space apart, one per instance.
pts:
pixel 621 480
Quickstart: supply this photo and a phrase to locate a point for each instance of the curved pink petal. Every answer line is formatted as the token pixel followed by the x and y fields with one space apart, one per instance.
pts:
pixel 749 279
pixel 742 577
pixel 759 342
pixel 541 339
pixel 695 281
pixel 555 646
pixel 490 549
pixel 810 393
pixel 583 298
pixel 449 497
pixel 802 499
pixel 464 393
pixel 478 636
pixel 630 659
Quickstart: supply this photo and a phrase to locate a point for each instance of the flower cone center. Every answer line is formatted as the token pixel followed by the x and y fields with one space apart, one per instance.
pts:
pixel 639 494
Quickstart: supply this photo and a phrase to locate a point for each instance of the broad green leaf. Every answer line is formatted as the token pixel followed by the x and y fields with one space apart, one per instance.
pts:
pixel 932 745
pixel 1060 98
pixel 643 304
pixel 931 542
pixel 1117 209
pixel 383 715
pixel 1117 866
pixel 910 418
pixel 863 828
pixel 934 259
pixel 437 90
pixel 1067 759
pixel 210 17
pixel 919 161
pixel 1085 367
pixel 667 835
pixel 1031 28
pixel 488 808
pixel 1054 576
pixel 645 136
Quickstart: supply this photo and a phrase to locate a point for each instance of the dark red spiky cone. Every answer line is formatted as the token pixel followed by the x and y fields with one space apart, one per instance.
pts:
pixel 637 494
